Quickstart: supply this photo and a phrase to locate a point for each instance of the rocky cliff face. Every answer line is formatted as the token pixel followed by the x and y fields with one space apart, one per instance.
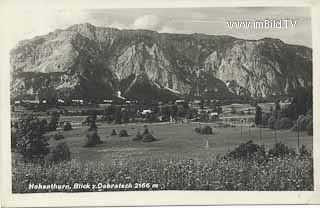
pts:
pixel 94 62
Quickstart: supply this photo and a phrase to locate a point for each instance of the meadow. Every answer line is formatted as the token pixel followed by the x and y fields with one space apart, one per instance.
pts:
pixel 174 141
pixel 180 159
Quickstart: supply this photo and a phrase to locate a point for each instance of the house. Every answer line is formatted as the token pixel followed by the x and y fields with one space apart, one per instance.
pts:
pixel 61 101
pixel 213 116
pixel 196 103
pixel 76 101
pixel 31 101
pixel 145 112
pixel 180 102
pixel 107 101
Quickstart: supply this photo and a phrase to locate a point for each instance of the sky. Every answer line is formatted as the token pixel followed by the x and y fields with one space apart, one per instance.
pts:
pixel 213 21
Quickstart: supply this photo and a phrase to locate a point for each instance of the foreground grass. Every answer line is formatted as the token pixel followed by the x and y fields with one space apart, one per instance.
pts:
pixel 273 174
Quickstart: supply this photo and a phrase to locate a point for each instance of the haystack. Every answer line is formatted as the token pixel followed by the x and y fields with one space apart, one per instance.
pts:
pixel 148 138
pixel 123 133
pixel 113 133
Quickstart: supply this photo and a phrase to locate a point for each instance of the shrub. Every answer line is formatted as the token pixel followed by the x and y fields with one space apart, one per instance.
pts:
pixel 148 138
pixel 90 119
pixel 283 123
pixel 67 126
pixel 281 150
pixel 303 122
pixel 303 152
pixel 44 124
pixel 271 122
pixel 31 143
pixel 123 133
pixel 113 133
pixel 247 150
pixel 59 153
pixel 206 130
pixel 58 136
pixel 233 110
pixel 265 119
pixel 92 138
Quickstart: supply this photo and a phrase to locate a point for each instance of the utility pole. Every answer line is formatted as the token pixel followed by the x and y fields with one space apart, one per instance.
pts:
pixel 260 135
pixel 298 133
pixel 207 144
pixel 260 129
pixel 275 134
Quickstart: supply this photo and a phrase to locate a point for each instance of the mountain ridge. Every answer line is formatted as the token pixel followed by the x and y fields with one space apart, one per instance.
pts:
pixel 99 60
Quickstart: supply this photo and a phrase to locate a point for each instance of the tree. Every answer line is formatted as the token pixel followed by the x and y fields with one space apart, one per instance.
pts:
pixel 14 128
pixel 92 135
pixel 302 100
pixel 53 124
pixel 59 153
pixel 186 105
pixel 125 116
pixel 290 111
pixel 258 117
pixel 233 110
pixel 165 112
pixel 283 123
pixel 181 111
pixel 44 124
pixel 117 115
pixel 174 111
pixel 271 109
pixel 67 126
pixel 31 143
pixel 201 104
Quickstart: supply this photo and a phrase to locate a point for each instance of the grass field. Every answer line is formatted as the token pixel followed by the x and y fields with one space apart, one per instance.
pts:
pixel 174 141
pixel 180 159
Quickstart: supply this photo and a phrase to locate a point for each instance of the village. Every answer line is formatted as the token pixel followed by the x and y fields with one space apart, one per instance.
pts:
pixel 174 111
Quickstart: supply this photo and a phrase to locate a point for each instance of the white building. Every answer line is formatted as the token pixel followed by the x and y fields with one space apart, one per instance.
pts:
pixel 77 101
pixel 180 101
pixel 145 112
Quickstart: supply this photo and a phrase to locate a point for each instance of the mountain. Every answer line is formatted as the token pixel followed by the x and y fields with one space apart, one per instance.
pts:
pixel 88 62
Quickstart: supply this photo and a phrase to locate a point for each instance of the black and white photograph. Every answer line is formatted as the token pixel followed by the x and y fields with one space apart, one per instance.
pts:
pixel 162 99
pixel 153 99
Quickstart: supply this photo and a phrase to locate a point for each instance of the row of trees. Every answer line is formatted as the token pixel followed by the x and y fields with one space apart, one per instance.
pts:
pixel 298 113
pixel 120 114
pixel 28 139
